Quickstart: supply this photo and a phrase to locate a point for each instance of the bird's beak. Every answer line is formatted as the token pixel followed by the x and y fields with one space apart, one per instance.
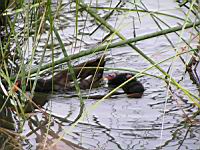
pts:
pixel 16 86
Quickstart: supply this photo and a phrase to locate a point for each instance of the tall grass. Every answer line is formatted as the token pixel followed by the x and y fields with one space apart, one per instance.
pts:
pixel 25 24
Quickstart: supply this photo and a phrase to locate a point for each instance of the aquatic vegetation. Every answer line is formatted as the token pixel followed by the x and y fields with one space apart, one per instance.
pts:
pixel 159 43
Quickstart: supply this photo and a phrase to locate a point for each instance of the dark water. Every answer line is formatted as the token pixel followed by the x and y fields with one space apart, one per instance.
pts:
pixel 151 122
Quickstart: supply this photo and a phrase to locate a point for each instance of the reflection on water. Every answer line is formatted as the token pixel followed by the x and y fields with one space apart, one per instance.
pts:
pixel 8 138
pixel 122 123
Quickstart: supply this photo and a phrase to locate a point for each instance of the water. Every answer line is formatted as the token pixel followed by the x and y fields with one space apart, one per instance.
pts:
pixel 120 122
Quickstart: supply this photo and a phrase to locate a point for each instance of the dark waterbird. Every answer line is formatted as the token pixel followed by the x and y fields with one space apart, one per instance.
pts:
pixel 87 73
pixel 133 89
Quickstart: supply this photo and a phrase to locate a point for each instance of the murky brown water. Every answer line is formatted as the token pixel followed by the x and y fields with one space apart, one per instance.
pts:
pixel 120 122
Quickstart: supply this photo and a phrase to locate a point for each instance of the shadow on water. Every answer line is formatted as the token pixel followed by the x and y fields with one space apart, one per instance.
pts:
pixel 155 121
pixel 8 138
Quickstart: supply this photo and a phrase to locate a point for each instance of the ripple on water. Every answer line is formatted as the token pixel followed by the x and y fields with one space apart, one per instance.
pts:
pixel 120 122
